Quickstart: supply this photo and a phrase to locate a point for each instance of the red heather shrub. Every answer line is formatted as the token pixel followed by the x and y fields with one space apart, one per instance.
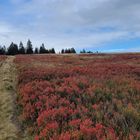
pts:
pixel 75 123
pixel 80 97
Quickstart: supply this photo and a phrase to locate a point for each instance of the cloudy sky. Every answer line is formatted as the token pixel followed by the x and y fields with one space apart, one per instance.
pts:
pixel 97 25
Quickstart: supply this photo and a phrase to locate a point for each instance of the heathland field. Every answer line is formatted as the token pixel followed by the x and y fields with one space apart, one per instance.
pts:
pixel 70 97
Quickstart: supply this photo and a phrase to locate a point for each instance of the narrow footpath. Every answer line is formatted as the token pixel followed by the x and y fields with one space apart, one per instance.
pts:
pixel 9 128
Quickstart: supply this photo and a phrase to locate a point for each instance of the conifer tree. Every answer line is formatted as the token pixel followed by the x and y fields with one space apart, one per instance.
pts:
pixel 36 50
pixel 21 48
pixel 42 49
pixel 2 50
pixel 29 49
pixel 13 49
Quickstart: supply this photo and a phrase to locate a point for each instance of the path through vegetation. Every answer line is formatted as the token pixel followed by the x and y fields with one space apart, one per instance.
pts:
pixel 9 128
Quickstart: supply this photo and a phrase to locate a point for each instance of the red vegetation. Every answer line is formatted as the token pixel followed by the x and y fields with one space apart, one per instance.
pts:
pixel 80 97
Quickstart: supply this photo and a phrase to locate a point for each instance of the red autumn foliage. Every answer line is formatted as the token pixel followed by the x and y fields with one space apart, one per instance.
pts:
pixel 80 96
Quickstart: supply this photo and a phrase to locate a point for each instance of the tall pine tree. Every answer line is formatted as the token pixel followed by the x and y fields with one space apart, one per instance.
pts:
pixel 2 50
pixel 21 48
pixel 36 51
pixel 13 49
pixel 42 49
pixel 29 49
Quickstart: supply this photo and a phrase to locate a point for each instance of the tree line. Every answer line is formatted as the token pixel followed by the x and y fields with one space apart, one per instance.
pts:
pixel 15 49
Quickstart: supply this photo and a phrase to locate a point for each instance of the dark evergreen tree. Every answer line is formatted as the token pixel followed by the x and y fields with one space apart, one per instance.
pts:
pixel 13 49
pixel 89 52
pixel 83 51
pixel 66 51
pixel 42 49
pixel 62 51
pixel 21 48
pixel 2 50
pixel 36 50
pixel 72 50
pixel 29 49
pixel 52 51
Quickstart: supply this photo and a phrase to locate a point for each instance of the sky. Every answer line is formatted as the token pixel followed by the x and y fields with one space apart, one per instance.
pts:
pixel 95 25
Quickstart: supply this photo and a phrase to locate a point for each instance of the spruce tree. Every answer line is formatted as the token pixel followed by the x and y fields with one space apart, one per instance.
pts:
pixel 21 48
pixel 36 51
pixel 2 50
pixel 62 51
pixel 29 49
pixel 83 51
pixel 72 50
pixel 52 51
pixel 13 49
pixel 42 49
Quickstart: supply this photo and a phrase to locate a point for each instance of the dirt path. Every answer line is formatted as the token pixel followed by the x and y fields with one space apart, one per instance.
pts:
pixel 8 125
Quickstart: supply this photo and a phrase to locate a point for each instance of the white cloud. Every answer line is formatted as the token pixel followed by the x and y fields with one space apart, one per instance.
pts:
pixel 73 23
